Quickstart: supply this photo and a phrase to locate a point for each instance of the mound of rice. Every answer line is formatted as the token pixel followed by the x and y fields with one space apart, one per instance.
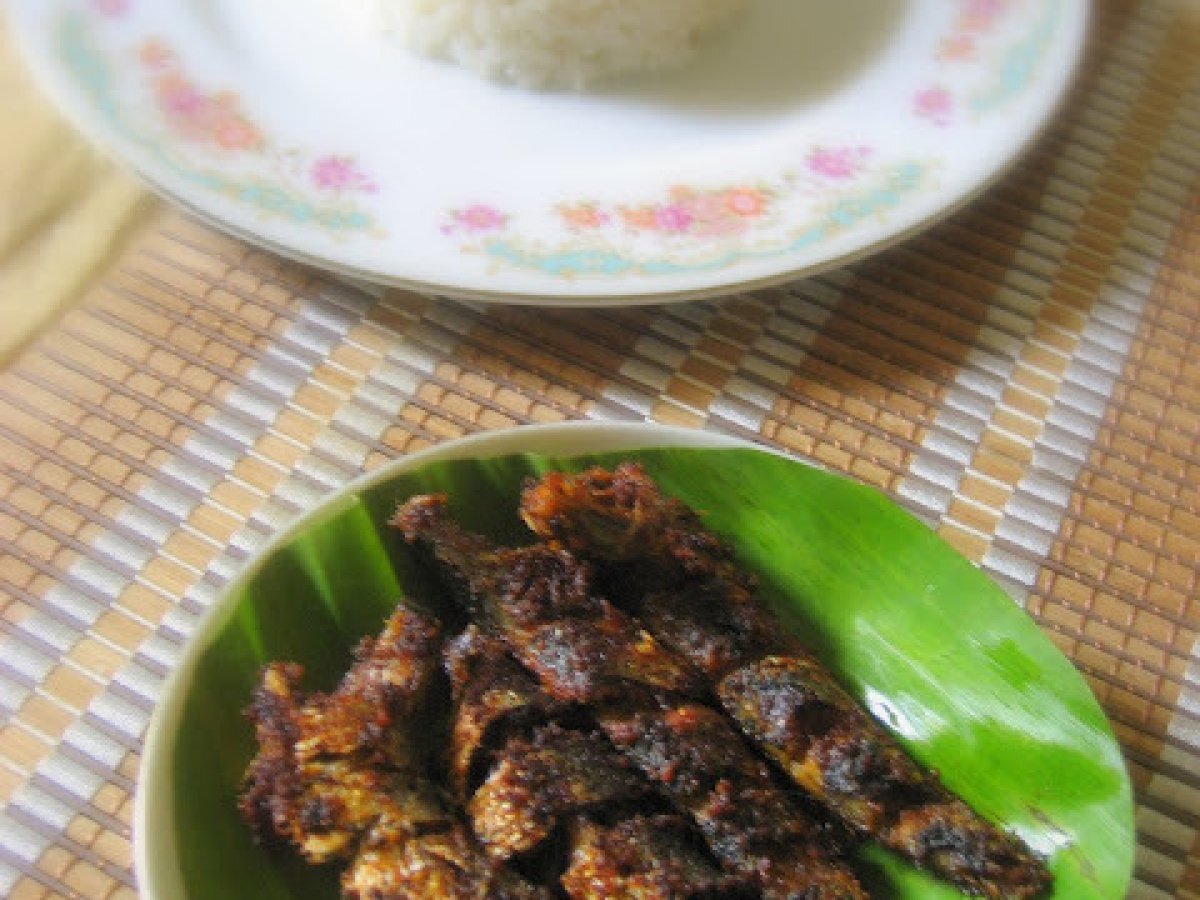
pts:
pixel 554 43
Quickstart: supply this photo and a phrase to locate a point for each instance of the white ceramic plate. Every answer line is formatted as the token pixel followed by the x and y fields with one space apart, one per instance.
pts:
pixel 810 133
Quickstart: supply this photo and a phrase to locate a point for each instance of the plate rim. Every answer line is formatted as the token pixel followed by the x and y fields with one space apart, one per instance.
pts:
pixel 565 292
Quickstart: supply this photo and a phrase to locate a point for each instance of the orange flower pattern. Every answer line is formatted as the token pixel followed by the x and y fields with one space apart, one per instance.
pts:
pixel 685 211
pixel 974 22
pixel 975 19
pixel 706 214
pixel 215 119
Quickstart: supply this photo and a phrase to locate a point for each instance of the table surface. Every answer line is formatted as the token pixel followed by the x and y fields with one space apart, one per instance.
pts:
pixel 1025 377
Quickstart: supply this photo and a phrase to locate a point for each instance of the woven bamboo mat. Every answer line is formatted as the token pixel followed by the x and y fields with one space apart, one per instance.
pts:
pixel 1025 377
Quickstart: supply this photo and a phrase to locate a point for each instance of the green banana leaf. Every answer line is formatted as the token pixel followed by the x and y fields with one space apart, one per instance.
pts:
pixel 935 650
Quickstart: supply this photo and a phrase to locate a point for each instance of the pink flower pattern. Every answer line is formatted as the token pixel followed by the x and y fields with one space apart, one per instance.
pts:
pixel 477 219
pixel 673 218
pixel 686 211
pixel 982 14
pixel 114 9
pixel 214 119
pixel 583 216
pixel 340 174
pixel 279 180
pixel 730 211
pixel 745 202
pixel 975 19
pixel 935 104
pixel 838 163
pixel 697 213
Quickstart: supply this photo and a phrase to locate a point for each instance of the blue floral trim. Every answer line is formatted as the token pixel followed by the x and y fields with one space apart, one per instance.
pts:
pixel 1017 68
pixel 847 212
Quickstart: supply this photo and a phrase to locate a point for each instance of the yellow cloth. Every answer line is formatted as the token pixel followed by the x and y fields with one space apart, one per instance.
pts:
pixel 64 211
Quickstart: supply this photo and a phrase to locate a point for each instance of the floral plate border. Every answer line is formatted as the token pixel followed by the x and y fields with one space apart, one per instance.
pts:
pixel 205 136
pixel 710 229
pixel 575 248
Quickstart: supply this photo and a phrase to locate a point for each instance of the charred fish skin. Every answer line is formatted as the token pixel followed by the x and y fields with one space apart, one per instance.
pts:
pixel 330 767
pixel 527 594
pixel 337 779
pixel 372 816
pixel 824 741
pixel 688 591
pixel 827 748
pixel 271 790
pixel 445 865
pixel 622 516
pixel 492 697
pixel 555 775
pixel 644 858
pixel 702 763
pixel 580 647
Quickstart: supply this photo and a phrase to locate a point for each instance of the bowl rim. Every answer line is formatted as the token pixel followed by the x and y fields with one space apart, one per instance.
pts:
pixel 155 852
pixel 155 840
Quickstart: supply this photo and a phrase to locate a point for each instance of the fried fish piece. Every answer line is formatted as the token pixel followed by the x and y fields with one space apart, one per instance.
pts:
pixel 687 589
pixel 537 783
pixel 335 778
pixel 493 698
pixel 540 600
pixel 704 765
pixel 644 858
pixel 831 748
pixel 445 864
pixel 330 766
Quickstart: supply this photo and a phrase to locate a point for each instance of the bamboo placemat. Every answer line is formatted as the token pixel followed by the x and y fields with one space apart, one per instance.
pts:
pixel 1025 377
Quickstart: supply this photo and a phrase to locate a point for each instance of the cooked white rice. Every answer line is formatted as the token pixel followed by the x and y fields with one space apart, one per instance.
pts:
pixel 553 43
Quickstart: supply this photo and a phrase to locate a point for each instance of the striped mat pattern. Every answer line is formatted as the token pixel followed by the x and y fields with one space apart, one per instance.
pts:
pixel 1025 377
